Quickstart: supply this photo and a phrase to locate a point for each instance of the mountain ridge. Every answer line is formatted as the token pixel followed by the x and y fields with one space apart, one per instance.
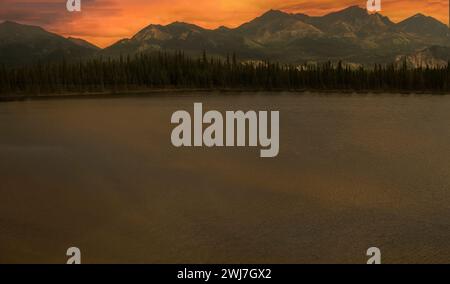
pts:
pixel 23 44
pixel 351 34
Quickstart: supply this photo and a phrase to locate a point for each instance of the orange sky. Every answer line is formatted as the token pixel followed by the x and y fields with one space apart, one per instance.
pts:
pixel 103 22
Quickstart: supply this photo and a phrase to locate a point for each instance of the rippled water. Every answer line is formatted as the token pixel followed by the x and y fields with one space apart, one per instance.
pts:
pixel 101 174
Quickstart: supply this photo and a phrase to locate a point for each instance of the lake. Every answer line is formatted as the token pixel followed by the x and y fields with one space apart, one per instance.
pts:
pixel 354 171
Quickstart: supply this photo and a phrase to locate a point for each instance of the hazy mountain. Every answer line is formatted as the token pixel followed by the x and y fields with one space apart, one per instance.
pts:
pixel 182 35
pixel 434 56
pixel 351 22
pixel 187 37
pixel 424 26
pixel 352 35
pixel 22 44
pixel 83 43
pixel 277 26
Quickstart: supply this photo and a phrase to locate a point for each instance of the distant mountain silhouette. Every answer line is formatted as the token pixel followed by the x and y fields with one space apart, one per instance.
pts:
pixel 351 35
pixel 424 26
pixel 83 43
pixel 23 44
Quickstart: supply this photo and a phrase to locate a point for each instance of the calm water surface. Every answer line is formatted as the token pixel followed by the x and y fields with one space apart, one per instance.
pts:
pixel 101 174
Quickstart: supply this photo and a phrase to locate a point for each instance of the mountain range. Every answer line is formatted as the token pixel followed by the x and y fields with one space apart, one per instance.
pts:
pixel 351 35
pixel 22 44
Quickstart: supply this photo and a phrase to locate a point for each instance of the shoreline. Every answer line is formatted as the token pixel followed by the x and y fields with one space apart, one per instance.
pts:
pixel 149 92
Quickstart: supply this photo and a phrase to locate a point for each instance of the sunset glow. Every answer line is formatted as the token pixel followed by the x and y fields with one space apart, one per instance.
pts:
pixel 103 22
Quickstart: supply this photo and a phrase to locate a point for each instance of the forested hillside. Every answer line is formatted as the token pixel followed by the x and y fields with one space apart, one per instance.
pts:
pixel 176 70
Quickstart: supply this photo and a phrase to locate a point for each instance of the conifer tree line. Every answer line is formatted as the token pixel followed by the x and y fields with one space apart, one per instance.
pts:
pixel 176 70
